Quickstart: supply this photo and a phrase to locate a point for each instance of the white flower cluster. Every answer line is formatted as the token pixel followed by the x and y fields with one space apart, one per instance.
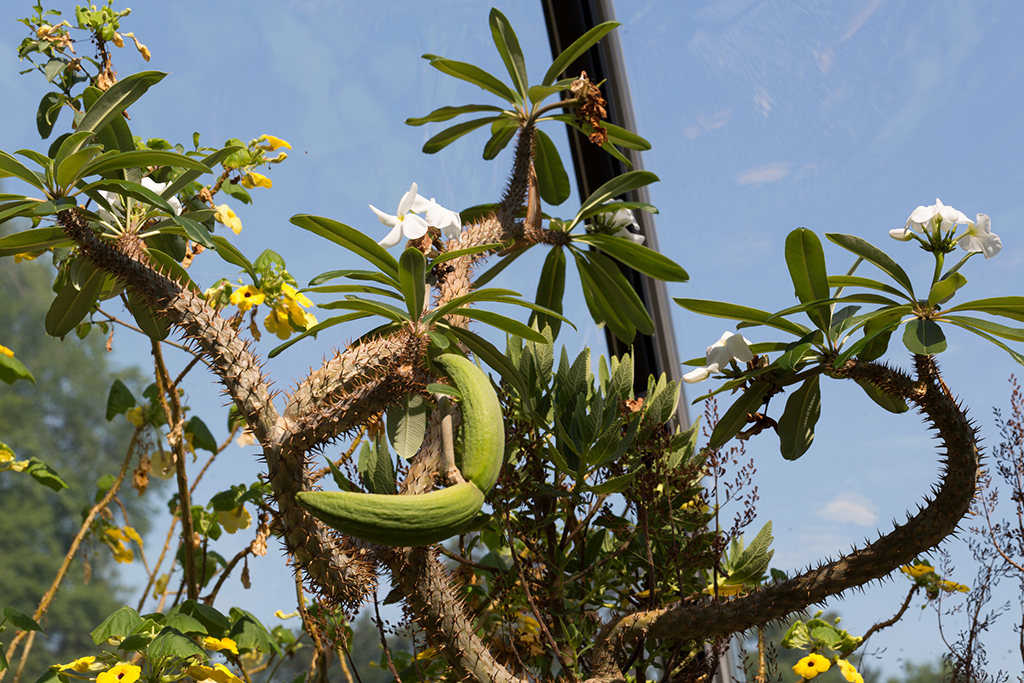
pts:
pixel 407 223
pixel 730 347
pixel 938 218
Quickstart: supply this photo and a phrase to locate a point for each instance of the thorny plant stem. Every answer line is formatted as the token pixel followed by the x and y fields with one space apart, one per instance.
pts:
pixel 51 593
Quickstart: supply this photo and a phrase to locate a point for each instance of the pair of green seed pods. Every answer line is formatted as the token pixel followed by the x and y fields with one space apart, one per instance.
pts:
pixel 418 520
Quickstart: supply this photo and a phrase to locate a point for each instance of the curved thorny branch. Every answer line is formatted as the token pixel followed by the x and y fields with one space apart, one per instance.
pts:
pixel 360 382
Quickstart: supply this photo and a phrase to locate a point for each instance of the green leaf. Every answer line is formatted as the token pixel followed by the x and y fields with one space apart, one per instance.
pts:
pixel 472 74
pixel 141 158
pixel 47 113
pixel 620 292
pixel 412 272
pixel 232 255
pixel 11 167
pixel 894 404
pixel 636 256
pixel 806 261
pixel 70 169
pixel 498 141
pixel 18 209
pixel 185 624
pixel 735 418
pixel 407 424
pixel 216 623
pixel 574 51
pixel 475 295
pixel 21 620
pixel 445 389
pixel 867 283
pixel 155 327
pixel 613 485
pixel 602 310
pixel 508 47
pixel 202 438
pixel 71 304
pixel 34 240
pixel 120 624
pixel 924 337
pixel 376 468
pixel 873 254
pixel 171 268
pixel 539 93
pixel 1006 306
pixel 796 426
pixel 1013 354
pixel 12 369
pixel 468 251
pixel 1011 333
pixel 340 480
pixel 188 176
pixel 134 190
pixel 446 113
pixel 388 311
pixel 622 184
pixel 450 135
pixel 119 400
pixel 172 644
pixel 503 263
pixel 625 138
pixel 719 309
pixel 943 290
pixel 351 239
pixel 250 634
pixel 363 275
pixel 552 179
pixel 550 291
pixel 503 323
pixel 354 289
pixel 118 98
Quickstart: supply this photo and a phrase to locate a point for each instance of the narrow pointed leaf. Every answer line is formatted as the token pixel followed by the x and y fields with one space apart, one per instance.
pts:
pixel 1013 354
pixel 118 98
pixel 552 179
pixel 11 167
pixel 133 190
pixel 492 272
pixel 188 176
pixel 943 290
pixel 466 299
pixel 1011 333
pixel 412 271
pixel 893 404
pixel 621 293
pixel 351 239
pixel 574 51
pixel 499 140
pixel 719 309
pixel 446 113
pixel 867 283
pixel 140 158
pixel 622 184
pixel 1006 306
pixel 735 418
pixel 388 311
pixel 71 304
pixel 796 426
pixel 70 169
pixel 873 254
pixel 232 255
pixel 155 327
pixel 450 135
pixel 636 256
pixel 322 325
pixel 503 323
pixel 551 290
pixel 472 74
pixel 508 47
pixel 468 251
pixel 488 353
pixel 602 309
pixel 354 289
pixel 806 261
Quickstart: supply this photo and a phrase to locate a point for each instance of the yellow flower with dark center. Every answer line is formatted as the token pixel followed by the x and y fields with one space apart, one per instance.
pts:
pixel 253 179
pixel 246 297
pixel 233 520
pixel 228 217
pixel 273 143
pixel 218 644
pixel 121 673
pixel 811 665
pixel 849 671
pixel 917 570
pixel 81 665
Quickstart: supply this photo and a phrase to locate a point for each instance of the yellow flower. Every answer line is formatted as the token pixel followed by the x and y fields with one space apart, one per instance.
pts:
pixel 146 54
pixel 292 295
pixel 273 143
pixel 276 322
pixel 849 671
pixel 811 665
pixel 122 673
pixel 953 587
pixel 253 179
pixel 233 520
pixel 162 464
pixel 118 40
pixel 218 644
pixel 218 673
pixel 228 217
pixel 246 297
pixel 28 256
pixel 6 351
pixel 81 665
pixel 115 540
pixel 917 570
pixel 136 415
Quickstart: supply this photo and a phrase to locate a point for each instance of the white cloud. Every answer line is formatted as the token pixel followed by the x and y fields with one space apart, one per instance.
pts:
pixel 763 174
pixel 851 508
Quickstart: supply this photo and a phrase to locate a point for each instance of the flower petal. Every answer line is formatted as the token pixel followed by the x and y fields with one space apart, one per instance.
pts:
pixel 393 238
pixel 413 226
pixel 385 218
pixel 408 199
pixel 698 375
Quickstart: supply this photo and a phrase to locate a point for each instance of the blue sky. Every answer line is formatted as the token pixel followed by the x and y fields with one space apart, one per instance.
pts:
pixel 764 116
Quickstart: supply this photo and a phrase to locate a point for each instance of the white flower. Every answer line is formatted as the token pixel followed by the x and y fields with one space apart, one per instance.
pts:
pixel 728 348
pixel 901 234
pixel 448 222
pixel 924 218
pixel 118 203
pixel 405 222
pixel 979 237
pixel 618 224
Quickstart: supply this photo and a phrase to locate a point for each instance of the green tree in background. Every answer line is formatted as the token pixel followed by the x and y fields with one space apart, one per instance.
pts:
pixel 58 419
